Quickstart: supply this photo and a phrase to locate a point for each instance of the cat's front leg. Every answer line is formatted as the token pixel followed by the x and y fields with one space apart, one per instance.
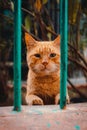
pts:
pixel 57 98
pixel 33 100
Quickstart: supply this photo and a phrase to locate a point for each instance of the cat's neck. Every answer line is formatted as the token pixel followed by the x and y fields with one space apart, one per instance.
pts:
pixel 45 78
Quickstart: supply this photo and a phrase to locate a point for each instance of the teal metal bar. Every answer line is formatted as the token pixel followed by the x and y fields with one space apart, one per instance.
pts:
pixel 64 51
pixel 17 55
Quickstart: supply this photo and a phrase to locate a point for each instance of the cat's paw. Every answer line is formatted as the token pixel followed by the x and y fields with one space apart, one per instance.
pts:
pixel 37 102
pixel 57 99
pixel 34 100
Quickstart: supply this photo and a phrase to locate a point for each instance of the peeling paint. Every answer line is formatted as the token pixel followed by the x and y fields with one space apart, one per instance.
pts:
pixel 48 125
pixel 77 127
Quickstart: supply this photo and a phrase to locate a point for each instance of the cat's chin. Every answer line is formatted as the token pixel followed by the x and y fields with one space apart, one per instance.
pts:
pixel 44 72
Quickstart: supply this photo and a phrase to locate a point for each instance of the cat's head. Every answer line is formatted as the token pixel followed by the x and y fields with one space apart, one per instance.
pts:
pixel 43 57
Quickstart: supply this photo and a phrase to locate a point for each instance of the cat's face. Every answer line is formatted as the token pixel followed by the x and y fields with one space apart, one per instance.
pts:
pixel 43 57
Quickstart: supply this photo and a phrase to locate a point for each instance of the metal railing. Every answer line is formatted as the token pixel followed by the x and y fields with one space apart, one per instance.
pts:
pixel 17 53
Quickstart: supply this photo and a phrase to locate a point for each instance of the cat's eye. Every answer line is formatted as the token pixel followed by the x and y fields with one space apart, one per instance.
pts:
pixel 52 55
pixel 37 55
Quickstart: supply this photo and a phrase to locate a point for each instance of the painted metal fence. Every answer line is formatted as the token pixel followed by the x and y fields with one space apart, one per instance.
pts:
pixel 64 50
pixel 17 53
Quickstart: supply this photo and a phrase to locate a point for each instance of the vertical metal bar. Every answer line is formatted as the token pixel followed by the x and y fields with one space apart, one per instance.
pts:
pixel 17 55
pixel 64 51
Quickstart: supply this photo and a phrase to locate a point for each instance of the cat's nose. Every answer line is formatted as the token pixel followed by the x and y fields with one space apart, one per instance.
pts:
pixel 44 63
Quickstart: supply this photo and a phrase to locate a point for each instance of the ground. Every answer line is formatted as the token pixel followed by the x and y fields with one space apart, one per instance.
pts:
pixel 74 117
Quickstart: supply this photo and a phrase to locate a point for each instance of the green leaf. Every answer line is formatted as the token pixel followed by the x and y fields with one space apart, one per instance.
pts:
pixel 45 1
pixel 73 10
pixel 12 6
pixel 27 23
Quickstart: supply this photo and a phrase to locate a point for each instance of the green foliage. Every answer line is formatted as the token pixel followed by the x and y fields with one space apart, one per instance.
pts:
pixel 45 1
pixel 28 23
pixel 74 6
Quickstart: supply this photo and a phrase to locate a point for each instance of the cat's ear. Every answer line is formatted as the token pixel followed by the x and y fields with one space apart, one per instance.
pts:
pixel 57 41
pixel 29 40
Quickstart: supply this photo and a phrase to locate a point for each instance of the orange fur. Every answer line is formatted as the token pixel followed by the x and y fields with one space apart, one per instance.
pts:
pixel 43 59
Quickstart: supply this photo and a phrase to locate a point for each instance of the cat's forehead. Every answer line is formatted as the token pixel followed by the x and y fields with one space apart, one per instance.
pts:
pixel 45 47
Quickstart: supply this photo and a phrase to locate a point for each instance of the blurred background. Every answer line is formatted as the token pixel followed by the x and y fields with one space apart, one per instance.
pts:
pixel 41 19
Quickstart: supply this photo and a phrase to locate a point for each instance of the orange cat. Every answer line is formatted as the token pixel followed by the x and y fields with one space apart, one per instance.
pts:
pixel 43 83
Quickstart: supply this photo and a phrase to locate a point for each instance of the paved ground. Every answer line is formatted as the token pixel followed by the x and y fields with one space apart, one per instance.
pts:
pixel 44 118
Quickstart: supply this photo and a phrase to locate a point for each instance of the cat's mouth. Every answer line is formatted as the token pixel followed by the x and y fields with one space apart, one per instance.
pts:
pixel 44 68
